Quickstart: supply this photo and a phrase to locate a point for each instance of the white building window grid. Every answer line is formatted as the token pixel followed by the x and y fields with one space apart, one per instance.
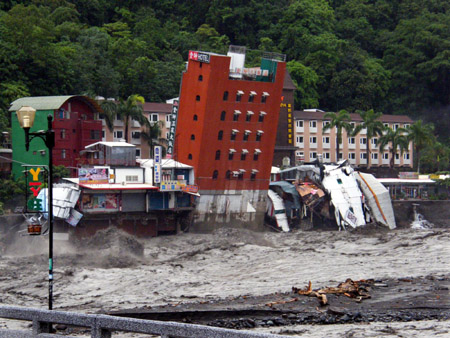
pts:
pixel 299 141
pixel 313 126
pixel 299 125
pixel 312 155
pixel 118 134
pixel 324 124
pixel 313 142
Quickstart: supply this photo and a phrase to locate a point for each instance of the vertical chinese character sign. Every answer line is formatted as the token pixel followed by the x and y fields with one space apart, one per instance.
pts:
pixel 35 183
pixel 157 164
pixel 173 127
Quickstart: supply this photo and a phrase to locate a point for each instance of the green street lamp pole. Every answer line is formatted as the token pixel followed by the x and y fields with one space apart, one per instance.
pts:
pixel 26 119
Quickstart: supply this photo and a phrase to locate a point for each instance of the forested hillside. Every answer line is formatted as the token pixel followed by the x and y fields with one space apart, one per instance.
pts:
pixel 392 56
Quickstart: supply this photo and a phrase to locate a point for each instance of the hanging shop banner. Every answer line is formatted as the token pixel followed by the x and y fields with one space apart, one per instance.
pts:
pixel 157 164
pixel 172 185
pixel 35 178
pixel 93 175
pixel 173 128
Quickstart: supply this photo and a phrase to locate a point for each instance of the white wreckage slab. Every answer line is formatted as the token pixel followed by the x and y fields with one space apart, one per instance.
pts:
pixel 64 200
pixel 346 197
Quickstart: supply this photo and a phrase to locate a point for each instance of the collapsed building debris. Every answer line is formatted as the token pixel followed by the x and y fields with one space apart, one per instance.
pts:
pixel 332 192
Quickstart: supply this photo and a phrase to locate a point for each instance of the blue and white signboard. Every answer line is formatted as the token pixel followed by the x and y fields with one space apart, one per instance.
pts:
pixel 157 163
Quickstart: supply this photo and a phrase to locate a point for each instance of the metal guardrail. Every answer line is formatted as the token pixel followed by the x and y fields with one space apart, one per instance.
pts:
pixel 104 326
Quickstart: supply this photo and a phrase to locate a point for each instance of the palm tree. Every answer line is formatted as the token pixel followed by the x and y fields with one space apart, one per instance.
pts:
pixel 422 136
pixel 128 109
pixel 341 121
pixel 151 133
pixel 395 139
pixel 374 127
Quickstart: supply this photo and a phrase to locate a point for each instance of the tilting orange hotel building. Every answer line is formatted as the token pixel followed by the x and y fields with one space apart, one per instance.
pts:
pixel 226 129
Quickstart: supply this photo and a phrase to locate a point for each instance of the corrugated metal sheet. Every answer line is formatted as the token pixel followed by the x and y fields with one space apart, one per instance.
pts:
pixel 49 102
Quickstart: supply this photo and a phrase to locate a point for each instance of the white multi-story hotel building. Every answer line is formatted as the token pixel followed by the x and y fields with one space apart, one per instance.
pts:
pixel 312 141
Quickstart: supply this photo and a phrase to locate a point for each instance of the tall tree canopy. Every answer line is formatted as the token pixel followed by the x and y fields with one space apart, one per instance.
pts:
pixel 389 56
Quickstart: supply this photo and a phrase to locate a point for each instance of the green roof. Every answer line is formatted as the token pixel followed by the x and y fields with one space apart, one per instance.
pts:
pixel 49 102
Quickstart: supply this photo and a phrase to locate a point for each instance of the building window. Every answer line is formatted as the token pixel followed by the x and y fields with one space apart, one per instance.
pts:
pixel 385 156
pixel 363 156
pixel 299 139
pixel 103 134
pixel 95 134
pixel 248 117
pixel 259 135
pixel 256 156
pixel 326 156
pixel 362 141
pixel 230 155
pixel 251 98
pixel 406 156
pixel 63 134
pixel 313 124
pixel 395 127
pixel 233 135
pixel 397 156
pixel 138 153
pixel 218 155
pixel 195 117
pixel 118 134
pixel 374 141
pixel 253 176
pixel 190 157
pixel 351 140
pixel 236 116
pixel 153 118
pixel 261 117
pixel 136 134
pixel 313 139
pixel 299 123
pixel 220 135
pixel 351 156
pixel 243 156
pixel 263 98
pixel 374 156
pixel 239 96
pixel 215 175
pixel 192 137
pixel 326 139
pixel 312 155
pixel 325 123
pixel 246 134
pixel 225 96
pixel 222 116
pixel 200 77
pixel 241 176
pixel 63 153
pixel 406 125
pixel 132 178
pixel 197 98
pixel 228 174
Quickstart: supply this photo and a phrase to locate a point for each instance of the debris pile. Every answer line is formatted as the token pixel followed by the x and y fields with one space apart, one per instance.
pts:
pixel 333 193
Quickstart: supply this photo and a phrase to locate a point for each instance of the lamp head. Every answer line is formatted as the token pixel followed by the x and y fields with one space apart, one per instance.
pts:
pixel 26 115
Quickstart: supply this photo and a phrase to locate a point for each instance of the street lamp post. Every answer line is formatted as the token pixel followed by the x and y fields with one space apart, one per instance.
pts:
pixel 26 116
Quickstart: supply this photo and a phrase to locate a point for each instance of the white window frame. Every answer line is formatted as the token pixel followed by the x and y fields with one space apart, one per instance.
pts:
pixel 116 133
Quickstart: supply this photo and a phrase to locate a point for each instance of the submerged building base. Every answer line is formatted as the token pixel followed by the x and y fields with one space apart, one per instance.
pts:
pixel 230 208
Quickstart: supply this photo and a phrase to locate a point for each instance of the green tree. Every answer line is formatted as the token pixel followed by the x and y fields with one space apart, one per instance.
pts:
pixel 305 79
pixel 396 140
pixel 152 134
pixel 374 127
pixel 59 172
pixel 341 121
pixel 128 109
pixel 422 136
pixel 436 157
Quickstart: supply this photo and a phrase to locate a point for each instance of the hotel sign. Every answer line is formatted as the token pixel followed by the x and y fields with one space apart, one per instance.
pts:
pixel 173 128
pixel 197 56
